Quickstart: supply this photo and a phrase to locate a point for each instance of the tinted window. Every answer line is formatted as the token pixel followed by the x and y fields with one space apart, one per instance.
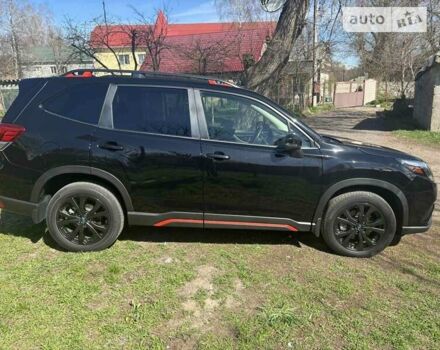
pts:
pixel 82 102
pixel 237 119
pixel 155 110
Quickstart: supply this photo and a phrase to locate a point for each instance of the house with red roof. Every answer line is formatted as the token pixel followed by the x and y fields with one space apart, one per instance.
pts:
pixel 198 48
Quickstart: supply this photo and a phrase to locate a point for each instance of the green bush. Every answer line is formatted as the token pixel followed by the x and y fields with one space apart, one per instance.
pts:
pixel 326 107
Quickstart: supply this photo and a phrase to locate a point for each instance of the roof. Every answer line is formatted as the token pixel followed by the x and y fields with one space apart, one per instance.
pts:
pixel 50 55
pixel 194 47
pixel 119 35
pixel 211 52
pixel 431 62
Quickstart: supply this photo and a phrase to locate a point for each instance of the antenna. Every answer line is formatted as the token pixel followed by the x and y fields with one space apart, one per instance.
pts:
pixel 272 5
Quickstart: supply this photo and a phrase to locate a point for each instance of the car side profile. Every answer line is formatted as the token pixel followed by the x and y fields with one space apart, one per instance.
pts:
pixel 91 151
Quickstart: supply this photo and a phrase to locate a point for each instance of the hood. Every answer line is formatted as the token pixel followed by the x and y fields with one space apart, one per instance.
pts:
pixel 368 148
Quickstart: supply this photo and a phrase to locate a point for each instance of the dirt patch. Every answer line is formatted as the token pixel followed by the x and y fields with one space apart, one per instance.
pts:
pixel 197 313
pixel 203 281
pixel 201 307
pixel 234 300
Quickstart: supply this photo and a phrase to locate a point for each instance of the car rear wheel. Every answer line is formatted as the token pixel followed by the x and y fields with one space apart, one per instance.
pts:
pixel 83 216
pixel 359 224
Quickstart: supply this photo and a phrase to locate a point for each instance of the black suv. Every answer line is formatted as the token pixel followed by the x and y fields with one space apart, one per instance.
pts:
pixel 88 153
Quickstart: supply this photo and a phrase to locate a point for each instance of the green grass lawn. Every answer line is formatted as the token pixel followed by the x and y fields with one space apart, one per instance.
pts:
pixel 423 136
pixel 215 290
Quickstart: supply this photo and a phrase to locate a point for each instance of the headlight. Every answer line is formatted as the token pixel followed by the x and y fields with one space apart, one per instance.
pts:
pixel 418 168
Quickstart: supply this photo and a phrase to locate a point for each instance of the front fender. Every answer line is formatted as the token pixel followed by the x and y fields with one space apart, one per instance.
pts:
pixel 330 192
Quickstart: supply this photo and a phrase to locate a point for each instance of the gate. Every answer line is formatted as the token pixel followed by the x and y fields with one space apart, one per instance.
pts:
pixel 349 94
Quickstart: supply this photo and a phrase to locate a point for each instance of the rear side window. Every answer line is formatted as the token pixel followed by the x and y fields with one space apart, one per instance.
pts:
pixel 82 102
pixel 149 109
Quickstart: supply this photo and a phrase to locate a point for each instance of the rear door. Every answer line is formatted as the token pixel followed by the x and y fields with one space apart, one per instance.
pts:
pixel 148 138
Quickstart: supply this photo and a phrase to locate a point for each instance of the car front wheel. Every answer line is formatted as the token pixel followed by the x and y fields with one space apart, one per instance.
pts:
pixel 84 216
pixel 359 224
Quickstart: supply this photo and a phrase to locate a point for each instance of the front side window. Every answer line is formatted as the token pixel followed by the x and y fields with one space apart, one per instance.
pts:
pixel 237 119
pixel 82 102
pixel 154 110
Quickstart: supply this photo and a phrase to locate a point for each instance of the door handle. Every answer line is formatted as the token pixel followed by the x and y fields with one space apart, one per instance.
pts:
pixel 111 146
pixel 218 156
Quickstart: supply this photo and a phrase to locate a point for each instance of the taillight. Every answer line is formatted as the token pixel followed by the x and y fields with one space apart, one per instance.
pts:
pixel 9 133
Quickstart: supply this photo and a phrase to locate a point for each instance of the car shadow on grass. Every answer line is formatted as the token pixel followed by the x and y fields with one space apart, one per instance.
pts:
pixel 222 236
pixel 21 226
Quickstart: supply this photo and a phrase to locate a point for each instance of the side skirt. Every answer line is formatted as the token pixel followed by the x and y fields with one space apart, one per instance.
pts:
pixel 200 220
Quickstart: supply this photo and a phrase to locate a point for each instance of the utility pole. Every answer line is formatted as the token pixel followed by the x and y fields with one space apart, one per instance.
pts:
pixel 105 12
pixel 314 45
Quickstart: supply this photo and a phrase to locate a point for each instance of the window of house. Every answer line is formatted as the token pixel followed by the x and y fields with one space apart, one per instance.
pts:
pixel 82 102
pixel 141 58
pixel 124 59
pixel 154 110
pixel 237 119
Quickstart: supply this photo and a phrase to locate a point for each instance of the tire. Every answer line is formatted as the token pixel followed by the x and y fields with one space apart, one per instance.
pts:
pixel 347 232
pixel 83 216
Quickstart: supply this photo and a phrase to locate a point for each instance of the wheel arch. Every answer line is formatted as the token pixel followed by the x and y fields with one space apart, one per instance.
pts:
pixel 391 193
pixel 81 173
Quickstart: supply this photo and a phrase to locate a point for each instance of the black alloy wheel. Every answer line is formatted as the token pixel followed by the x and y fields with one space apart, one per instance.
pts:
pixel 84 216
pixel 359 227
pixel 358 224
pixel 83 220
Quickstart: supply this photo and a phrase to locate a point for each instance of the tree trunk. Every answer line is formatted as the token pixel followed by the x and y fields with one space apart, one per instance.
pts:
pixel 264 75
pixel 133 35
pixel 15 46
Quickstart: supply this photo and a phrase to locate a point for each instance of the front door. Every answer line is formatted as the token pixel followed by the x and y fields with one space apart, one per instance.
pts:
pixel 246 179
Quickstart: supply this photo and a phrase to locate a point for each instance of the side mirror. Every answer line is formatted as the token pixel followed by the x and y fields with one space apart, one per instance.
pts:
pixel 289 144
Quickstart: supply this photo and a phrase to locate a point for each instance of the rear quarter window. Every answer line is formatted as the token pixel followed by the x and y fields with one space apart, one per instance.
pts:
pixel 82 102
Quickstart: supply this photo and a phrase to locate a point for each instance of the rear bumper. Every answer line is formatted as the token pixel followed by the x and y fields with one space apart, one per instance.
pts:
pixel 416 229
pixel 37 211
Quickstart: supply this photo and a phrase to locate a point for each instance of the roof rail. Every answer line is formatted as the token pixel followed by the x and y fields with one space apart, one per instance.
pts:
pixel 88 73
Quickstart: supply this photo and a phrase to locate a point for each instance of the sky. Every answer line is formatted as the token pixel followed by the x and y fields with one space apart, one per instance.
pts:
pixel 178 10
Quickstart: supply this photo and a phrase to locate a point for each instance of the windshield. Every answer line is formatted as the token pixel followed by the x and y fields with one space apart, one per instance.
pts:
pixel 307 128
pixel 298 120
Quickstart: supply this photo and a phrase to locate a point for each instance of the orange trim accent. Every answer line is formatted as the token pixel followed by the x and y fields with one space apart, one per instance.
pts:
pixel 215 222
pixel 181 221
pixel 2 205
pixel 254 224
